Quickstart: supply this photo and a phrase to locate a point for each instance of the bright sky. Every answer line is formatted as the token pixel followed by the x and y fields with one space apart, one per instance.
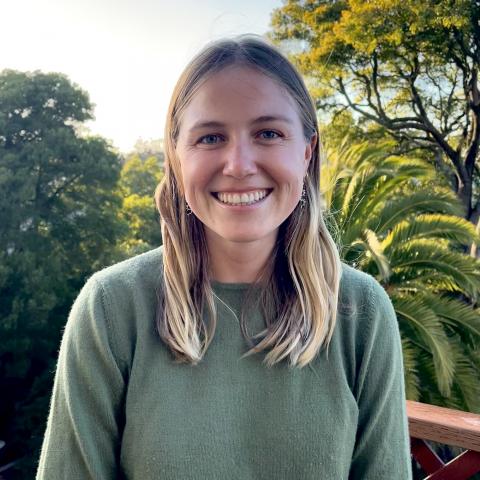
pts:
pixel 127 54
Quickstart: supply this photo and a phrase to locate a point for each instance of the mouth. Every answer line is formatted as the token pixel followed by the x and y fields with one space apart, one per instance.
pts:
pixel 243 198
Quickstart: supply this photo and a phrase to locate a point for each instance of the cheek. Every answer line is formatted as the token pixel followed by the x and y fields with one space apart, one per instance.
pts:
pixel 196 175
pixel 289 170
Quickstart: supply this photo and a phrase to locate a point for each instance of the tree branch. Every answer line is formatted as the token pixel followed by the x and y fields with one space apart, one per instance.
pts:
pixel 394 124
pixel 63 187
pixel 375 86
pixel 452 154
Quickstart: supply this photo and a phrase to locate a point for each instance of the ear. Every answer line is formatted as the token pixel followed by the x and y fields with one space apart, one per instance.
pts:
pixel 309 149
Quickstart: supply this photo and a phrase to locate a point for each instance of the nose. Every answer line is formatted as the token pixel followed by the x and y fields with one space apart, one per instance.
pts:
pixel 240 159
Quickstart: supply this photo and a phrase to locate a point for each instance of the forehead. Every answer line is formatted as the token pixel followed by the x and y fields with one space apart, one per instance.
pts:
pixel 238 93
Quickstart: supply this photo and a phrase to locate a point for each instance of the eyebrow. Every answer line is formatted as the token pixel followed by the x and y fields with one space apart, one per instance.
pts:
pixel 264 118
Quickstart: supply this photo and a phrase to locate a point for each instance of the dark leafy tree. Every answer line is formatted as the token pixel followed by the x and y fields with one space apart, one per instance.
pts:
pixel 58 223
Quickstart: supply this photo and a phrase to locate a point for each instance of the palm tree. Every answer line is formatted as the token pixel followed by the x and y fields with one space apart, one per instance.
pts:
pixel 394 219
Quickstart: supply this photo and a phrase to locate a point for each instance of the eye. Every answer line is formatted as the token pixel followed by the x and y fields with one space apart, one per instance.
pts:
pixel 270 135
pixel 210 139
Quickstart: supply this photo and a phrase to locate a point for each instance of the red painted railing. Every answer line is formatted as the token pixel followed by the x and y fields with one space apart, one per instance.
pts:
pixel 450 427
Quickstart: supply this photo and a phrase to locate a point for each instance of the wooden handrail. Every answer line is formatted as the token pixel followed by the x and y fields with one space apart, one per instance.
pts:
pixel 444 425
pixel 447 426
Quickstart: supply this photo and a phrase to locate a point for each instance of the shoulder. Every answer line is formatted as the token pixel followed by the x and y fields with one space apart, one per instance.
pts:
pixel 368 329
pixel 140 271
pixel 122 298
pixel 365 308
pixel 360 291
pixel 129 289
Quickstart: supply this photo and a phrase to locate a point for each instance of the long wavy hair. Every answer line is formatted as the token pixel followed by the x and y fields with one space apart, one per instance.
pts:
pixel 299 287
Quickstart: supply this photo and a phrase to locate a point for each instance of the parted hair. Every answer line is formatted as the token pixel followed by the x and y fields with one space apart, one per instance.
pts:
pixel 297 291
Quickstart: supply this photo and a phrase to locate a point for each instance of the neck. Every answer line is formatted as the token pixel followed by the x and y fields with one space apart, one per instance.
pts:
pixel 238 262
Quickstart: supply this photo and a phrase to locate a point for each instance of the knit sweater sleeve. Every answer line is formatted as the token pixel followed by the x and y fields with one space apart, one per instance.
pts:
pixel 382 448
pixel 83 432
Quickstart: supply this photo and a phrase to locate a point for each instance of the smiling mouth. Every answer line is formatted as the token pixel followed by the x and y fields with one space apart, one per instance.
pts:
pixel 247 198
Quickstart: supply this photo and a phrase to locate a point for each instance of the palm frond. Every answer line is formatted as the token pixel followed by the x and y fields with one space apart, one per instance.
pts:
pixel 459 317
pixel 430 334
pixel 374 253
pixel 425 281
pixel 466 386
pixel 418 257
pixel 410 364
pixel 394 220
pixel 400 207
pixel 431 225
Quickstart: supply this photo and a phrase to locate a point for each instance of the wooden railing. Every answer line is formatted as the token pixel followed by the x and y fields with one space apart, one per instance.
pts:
pixel 450 427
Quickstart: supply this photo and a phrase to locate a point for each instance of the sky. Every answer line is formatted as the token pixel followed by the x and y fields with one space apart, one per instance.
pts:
pixel 127 54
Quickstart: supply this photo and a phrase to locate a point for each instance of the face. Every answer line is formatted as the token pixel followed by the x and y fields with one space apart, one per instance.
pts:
pixel 243 156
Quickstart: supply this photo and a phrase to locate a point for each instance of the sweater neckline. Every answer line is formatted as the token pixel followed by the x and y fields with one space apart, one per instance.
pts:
pixel 216 285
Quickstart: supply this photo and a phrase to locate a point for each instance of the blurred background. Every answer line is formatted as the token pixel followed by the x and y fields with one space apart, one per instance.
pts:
pixel 84 89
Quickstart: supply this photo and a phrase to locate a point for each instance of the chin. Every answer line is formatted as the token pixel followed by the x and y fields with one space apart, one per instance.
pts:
pixel 246 237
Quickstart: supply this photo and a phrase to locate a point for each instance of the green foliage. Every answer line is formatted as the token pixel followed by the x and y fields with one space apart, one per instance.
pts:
pixel 58 224
pixel 148 148
pixel 138 181
pixel 410 67
pixel 394 222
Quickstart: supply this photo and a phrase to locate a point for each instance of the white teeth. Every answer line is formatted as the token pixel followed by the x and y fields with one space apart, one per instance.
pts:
pixel 242 198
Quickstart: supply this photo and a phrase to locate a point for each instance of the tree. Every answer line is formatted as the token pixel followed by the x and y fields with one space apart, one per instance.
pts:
pixel 394 221
pixel 148 148
pixel 137 184
pixel 409 66
pixel 58 223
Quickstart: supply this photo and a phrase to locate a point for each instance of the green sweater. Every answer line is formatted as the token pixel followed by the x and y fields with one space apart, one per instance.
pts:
pixel 122 409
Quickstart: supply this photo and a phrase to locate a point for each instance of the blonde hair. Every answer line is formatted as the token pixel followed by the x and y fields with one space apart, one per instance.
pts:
pixel 299 291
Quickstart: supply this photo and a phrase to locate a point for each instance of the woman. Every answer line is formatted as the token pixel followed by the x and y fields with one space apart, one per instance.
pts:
pixel 243 348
